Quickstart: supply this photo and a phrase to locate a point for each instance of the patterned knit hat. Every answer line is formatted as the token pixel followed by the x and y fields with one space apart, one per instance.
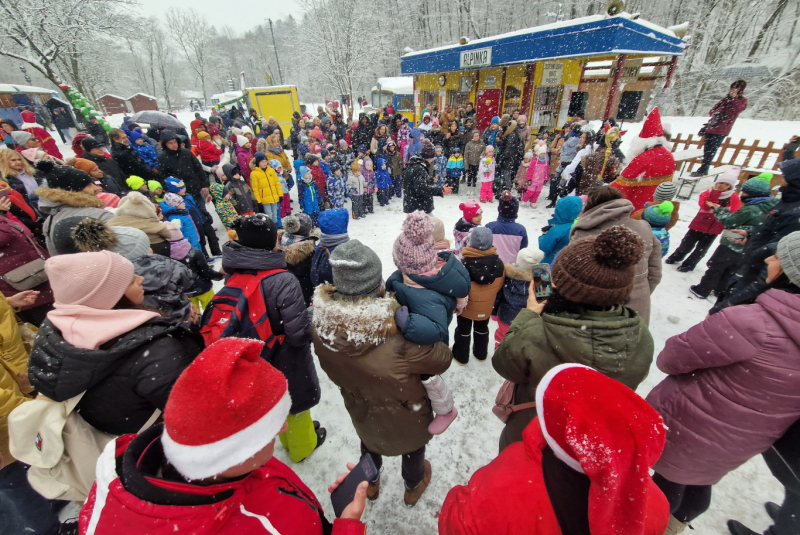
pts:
pixel 414 250
pixel 172 199
pixel 665 191
pixel 509 205
pixel 599 270
pixel 470 209
pixel 659 214
pixel 756 187
pixel 789 256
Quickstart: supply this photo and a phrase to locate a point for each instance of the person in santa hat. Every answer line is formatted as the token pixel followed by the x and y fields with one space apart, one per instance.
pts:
pixel 209 467
pixel 583 467
pixel 650 162
pixel 35 129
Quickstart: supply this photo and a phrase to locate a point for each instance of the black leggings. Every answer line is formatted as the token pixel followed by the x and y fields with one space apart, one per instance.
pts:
pixel 711 144
pixel 686 502
pixel 696 242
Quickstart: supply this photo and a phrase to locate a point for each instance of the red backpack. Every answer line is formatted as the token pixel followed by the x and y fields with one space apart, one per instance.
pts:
pixel 239 310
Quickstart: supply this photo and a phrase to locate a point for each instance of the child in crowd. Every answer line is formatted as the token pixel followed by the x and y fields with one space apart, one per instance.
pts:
pixel 298 249
pixel 427 286
pixel 509 236
pixel 285 204
pixel 174 208
pixel 383 181
pixel 225 210
pixel 486 174
pixel 176 185
pixel 346 156
pixel 538 172
pixel 312 162
pixel 705 228
pixel 440 242
pixel 137 183
pixel 371 186
pixel 156 190
pixel 487 274
pixel 382 153
pixel 237 191
pixel 144 149
pixel 356 188
pixel 301 189
pixel 665 191
pixel 337 186
pixel 440 167
pixel 658 216
pixel 473 151
pixel 202 289
pixel 472 214
pixel 311 197
pixel 243 156
pixel 395 166
pixel 556 233
pixel 209 152
pixel 513 297
pixel 455 168
pixel 522 174
pixel 404 136
pixel 266 187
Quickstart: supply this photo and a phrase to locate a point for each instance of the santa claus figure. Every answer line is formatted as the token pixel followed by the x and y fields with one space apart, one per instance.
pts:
pixel 649 163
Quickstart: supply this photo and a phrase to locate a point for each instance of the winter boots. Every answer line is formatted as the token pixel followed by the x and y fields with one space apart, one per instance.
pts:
pixel 373 491
pixel 412 496
pixel 441 403
pixel 675 526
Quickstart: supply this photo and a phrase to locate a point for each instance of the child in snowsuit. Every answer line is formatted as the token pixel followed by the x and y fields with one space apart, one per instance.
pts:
pixel 371 186
pixel 538 172
pixel 513 297
pixel 427 286
pixel 312 197
pixel 381 152
pixel 556 234
pixel 337 186
pixel 658 216
pixel 143 149
pixel 486 174
pixel 404 137
pixel 472 216
pixel 176 185
pixel 522 174
pixel 237 191
pixel 473 152
pixel 297 164
pixel 209 152
pixel 225 210
pixel 705 228
pixel 356 187
pixel 487 274
pixel 202 289
pixel 440 167
pixel 395 166
pixel 455 168
pixel 383 181
pixel 174 208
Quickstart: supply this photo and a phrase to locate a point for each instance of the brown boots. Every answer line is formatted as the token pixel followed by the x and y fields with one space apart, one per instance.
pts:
pixel 373 491
pixel 411 497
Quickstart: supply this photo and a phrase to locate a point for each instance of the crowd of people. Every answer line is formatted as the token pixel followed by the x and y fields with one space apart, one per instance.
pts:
pixel 111 318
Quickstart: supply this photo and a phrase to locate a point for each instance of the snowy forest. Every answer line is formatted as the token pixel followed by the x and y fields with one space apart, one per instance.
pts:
pixel 342 46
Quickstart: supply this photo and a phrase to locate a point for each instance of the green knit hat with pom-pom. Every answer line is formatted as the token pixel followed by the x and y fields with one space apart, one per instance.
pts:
pixel 659 215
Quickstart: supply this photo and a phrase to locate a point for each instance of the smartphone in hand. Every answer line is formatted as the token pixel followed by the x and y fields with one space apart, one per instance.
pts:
pixel 541 281
pixel 365 470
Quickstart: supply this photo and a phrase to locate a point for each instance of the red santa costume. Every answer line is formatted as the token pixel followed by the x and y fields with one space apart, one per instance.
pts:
pixel 32 127
pixel 582 466
pixel 649 163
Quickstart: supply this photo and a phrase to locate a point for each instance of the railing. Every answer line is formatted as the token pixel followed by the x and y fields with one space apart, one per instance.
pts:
pixel 730 153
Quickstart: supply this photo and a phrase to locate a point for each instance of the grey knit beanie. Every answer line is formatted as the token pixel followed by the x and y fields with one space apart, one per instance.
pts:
pixel 356 269
pixel 291 224
pixel 789 256
pixel 481 238
pixel 665 192
pixel 132 243
pixel 305 224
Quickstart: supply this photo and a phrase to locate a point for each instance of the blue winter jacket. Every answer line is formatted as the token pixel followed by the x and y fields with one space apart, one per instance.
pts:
pixel 188 228
pixel 310 196
pixel 513 297
pixel 567 210
pixel 431 307
pixel 382 176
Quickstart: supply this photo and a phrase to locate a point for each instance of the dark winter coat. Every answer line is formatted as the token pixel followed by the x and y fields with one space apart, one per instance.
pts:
pixel 130 163
pixel 733 388
pixel 513 297
pixel 166 285
pixel 242 197
pixel 746 218
pixel 287 316
pixel 113 180
pixel 57 204
pixel 17 248
pixel 363 133
pixel 182 164
pixel 455 140
pixel 615 342
pixel 395 163
pixel 431 307
pixel 418 191
pixel 377 370
pixel 724 114
pixel 98 132
pixel 202 273
pixel 299 259
pixel 511 155
pixel 436 137
pixel 125 380
pixel 487 273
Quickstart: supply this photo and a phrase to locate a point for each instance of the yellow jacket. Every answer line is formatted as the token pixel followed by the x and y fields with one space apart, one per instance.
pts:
pixel 266 185
pixel 14 359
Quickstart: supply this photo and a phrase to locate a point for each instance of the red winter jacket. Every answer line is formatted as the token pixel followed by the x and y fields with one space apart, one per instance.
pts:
pixel 270 500
pixel 208 151
pixel 728 109
pixel 32 127
pixel 706 221
pixel 319 177
pixel 509 496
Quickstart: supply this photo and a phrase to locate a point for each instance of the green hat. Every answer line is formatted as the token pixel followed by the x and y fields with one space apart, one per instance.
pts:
pixel 756 187
pixel 153 185
pixel 766 176
pixel 135 182
pixel 658 215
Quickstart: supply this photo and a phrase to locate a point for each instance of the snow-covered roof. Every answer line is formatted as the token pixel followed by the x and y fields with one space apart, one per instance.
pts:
pixel 191 93
pixel 111 95
pixel 595 35
pixel 14 88
pixel 399 85
pixel 286 86
pixel 142 94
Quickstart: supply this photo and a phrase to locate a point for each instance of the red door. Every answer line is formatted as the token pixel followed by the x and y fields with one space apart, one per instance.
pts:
pixel 487 105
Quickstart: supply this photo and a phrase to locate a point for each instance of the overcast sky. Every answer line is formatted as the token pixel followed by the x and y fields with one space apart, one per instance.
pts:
pixel 242 16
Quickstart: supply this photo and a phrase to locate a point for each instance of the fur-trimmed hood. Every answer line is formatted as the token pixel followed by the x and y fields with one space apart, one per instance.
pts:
pixel 363 323
pixel 513 272
pixel 299 251
pixel 50 199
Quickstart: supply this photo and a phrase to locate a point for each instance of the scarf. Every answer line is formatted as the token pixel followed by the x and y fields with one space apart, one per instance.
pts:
pixel 727 194
pixel 89 328
pixel 288 238
pixel 275 150
pixel 333 240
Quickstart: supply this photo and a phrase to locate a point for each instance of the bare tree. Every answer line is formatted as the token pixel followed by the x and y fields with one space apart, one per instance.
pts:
pixel 196 38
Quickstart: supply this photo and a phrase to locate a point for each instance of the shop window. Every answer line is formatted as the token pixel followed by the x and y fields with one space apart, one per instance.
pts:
pixel 545 107
pixel 513 98
pixel 577 104
pixel 404 102
pixel 629 105
pixel 458 99
pixel 381 98
pixel 430 99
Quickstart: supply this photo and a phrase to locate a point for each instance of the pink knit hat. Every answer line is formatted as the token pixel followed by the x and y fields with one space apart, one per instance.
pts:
pixel 414 249
pixel 95 280
pixel 470 209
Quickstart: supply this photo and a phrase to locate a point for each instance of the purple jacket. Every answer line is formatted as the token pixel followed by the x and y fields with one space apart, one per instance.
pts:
pixel 733 388
pixel 509 238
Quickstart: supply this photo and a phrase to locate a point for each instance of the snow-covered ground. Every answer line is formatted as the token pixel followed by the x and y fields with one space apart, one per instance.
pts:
pixel 472 440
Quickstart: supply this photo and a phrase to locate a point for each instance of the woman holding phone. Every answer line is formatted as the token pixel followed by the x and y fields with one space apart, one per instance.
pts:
pixel 583 321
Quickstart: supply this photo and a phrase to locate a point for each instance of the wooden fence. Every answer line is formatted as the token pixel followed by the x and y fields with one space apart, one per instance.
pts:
pixel 730 153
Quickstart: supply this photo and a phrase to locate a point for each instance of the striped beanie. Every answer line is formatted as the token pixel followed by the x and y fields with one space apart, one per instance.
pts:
pixel 665 191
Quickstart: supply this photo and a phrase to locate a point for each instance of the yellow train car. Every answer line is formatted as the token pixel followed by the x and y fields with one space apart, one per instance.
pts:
pixel 397 92
pixel 279 101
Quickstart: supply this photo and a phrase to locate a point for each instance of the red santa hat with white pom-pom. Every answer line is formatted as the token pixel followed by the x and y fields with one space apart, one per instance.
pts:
pixel 649 157
pixel 603 429
pixel 224 408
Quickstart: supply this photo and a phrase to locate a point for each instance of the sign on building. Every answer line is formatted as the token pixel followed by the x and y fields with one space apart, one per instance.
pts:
pixel 479 57
pixel 630 72
pixel 552 72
